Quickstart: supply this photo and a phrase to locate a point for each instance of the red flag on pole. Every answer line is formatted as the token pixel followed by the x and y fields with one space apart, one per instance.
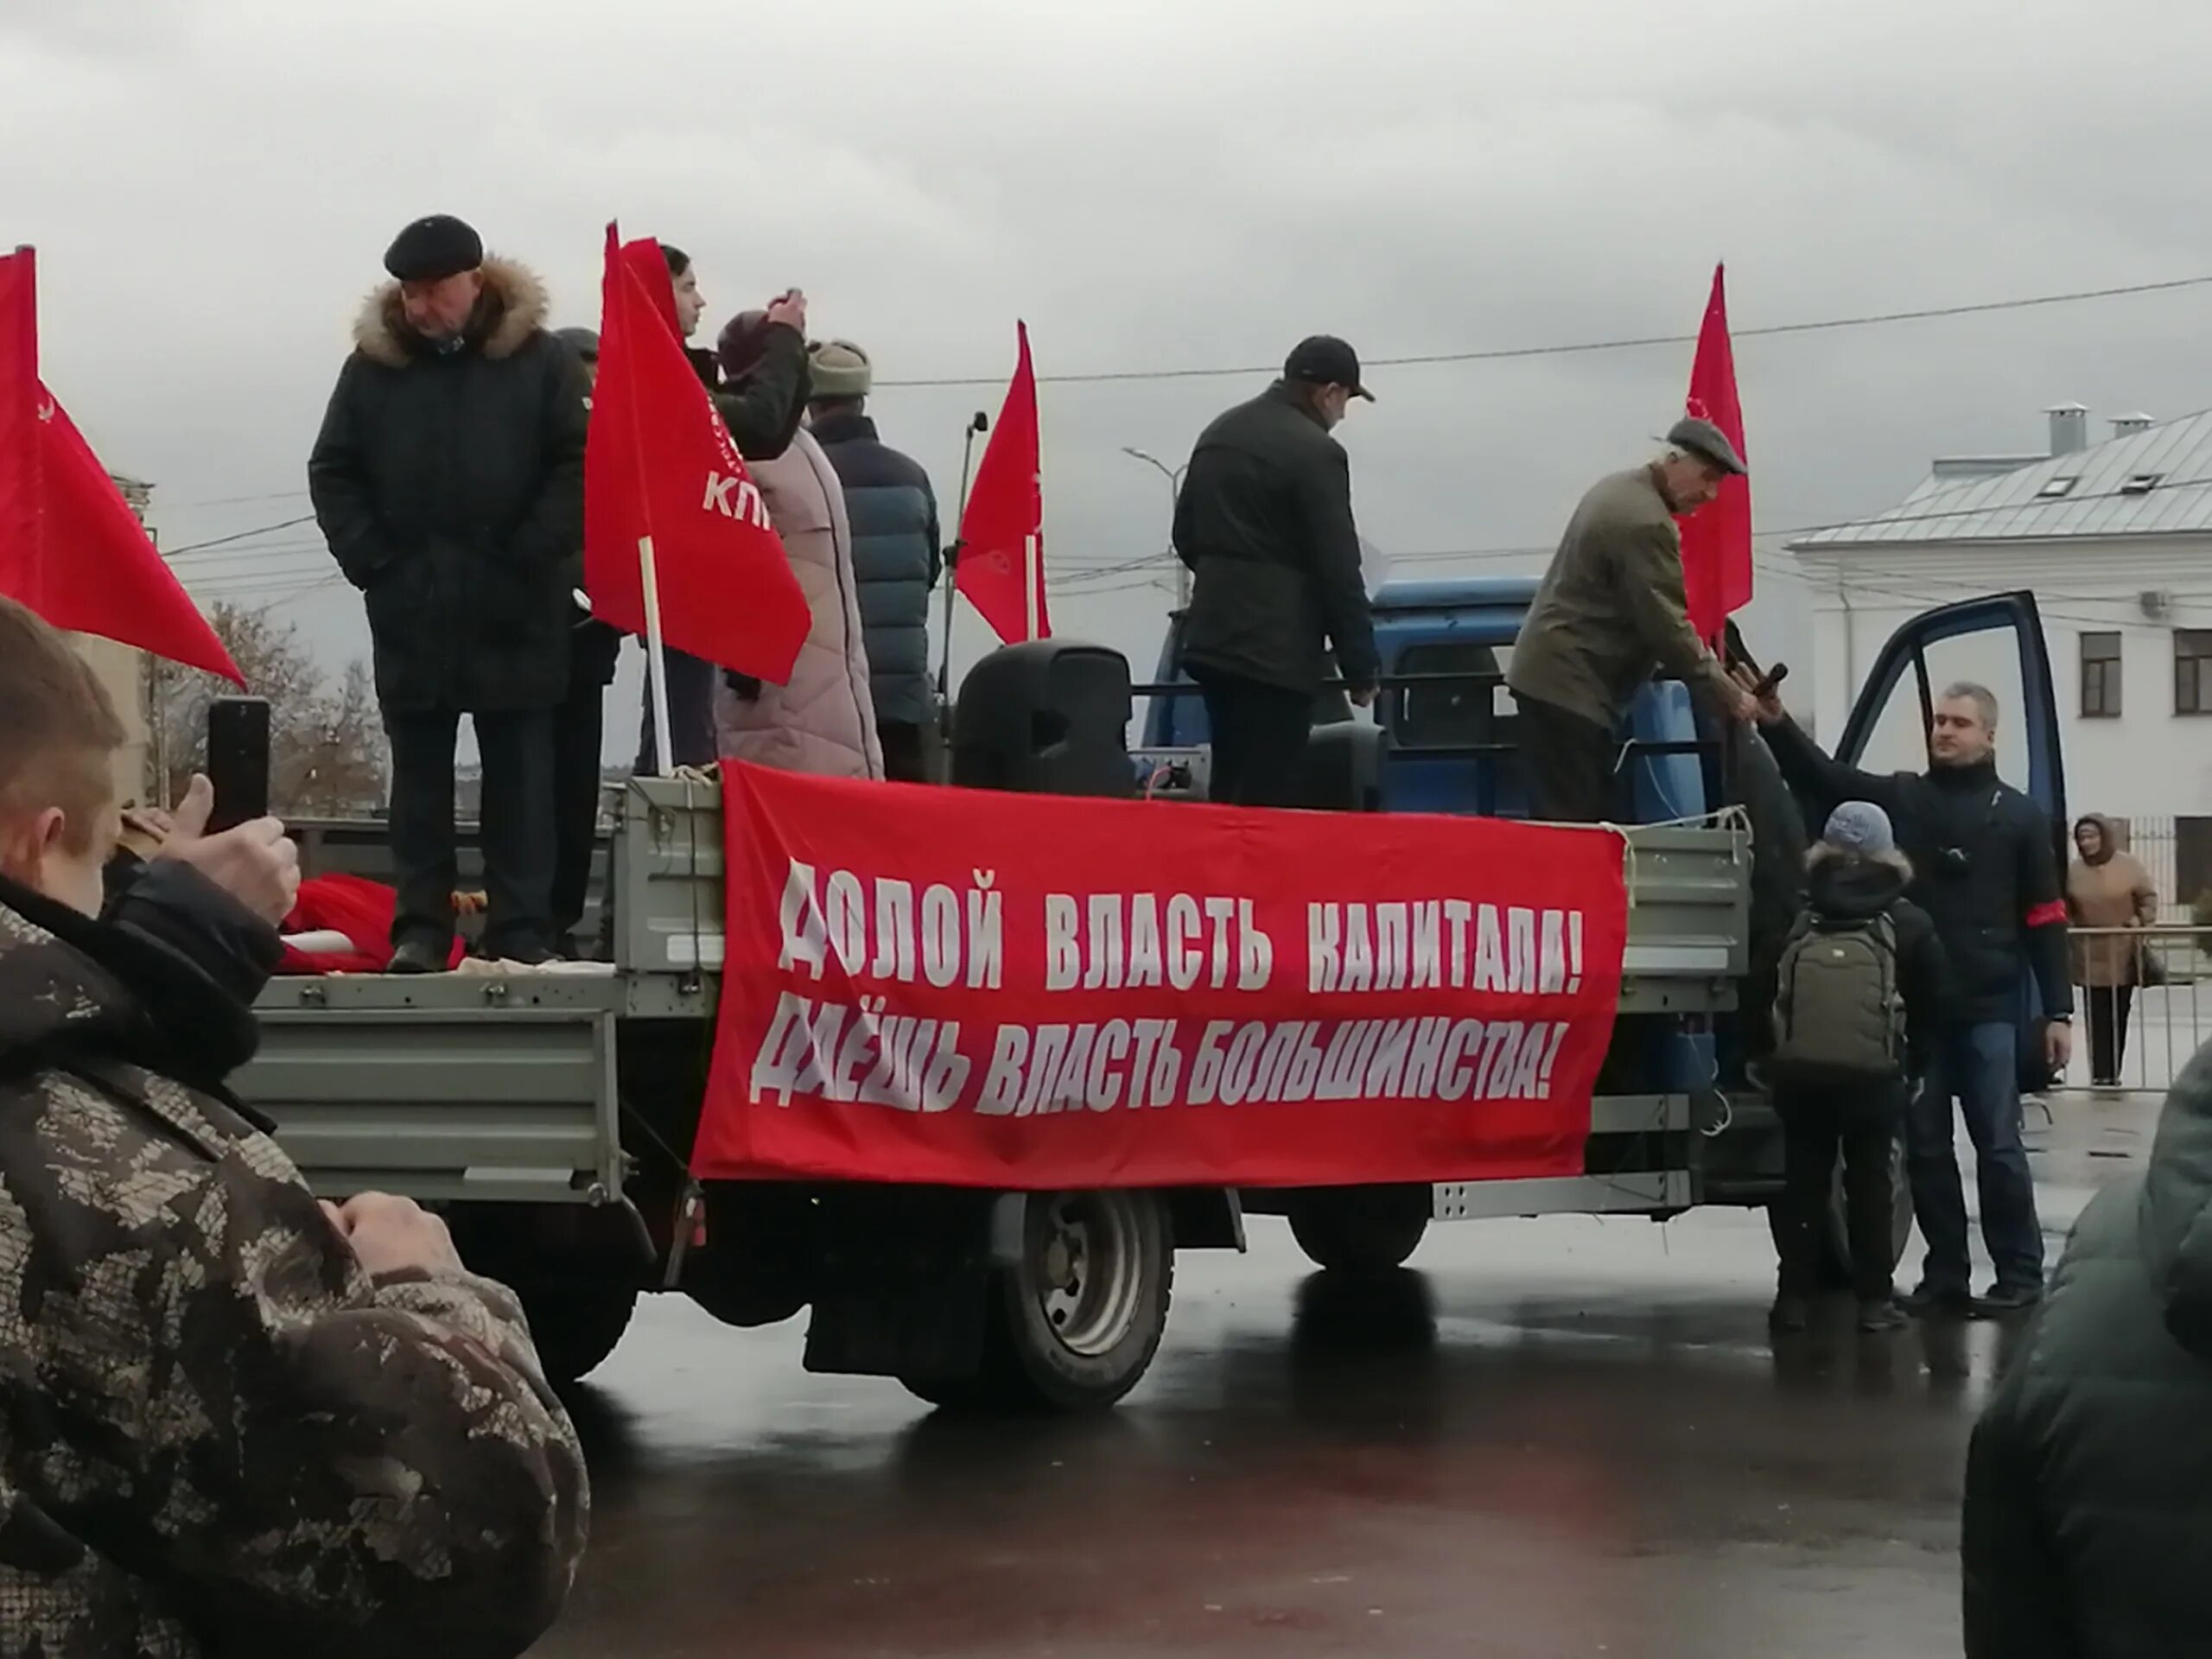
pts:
pixel 70 547
pixel 677 541
pixel 1717 539
pixel 1001 567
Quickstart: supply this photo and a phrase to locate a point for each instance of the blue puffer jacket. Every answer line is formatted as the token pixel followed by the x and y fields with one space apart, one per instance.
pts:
pixel 895 558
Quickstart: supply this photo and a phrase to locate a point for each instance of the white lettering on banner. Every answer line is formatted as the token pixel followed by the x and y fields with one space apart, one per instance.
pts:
pixel 857 1057
pixel 736 498
pixel 818 918
pixel 1115 941
pixel 1353 947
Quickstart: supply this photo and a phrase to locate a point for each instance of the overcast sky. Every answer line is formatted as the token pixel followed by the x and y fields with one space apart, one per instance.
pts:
pixel 1152 184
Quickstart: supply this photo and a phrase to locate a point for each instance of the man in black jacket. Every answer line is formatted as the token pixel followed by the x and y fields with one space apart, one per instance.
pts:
pixel 1264 522
pixel 1988 875
pixel 896 555
pixel 448 480
pixel 2084 1528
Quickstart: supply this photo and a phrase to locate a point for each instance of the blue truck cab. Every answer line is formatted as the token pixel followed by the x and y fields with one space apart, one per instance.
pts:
pixel 1441 740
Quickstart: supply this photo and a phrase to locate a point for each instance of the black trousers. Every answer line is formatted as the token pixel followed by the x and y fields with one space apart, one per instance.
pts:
pixel 1817 1123
pixel 1567 764
pixel 905 759
pixel 691 715
pixel 2107 1009
pixel 517 749
pixel 1259 734
pixel 578 730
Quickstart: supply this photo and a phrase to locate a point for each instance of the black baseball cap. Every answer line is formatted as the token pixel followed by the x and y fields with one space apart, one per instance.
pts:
pixel 1325 360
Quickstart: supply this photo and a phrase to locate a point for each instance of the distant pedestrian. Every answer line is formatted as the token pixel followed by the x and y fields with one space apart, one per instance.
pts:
pixel 2086 1534
pixel 1264 522
pixel 822 719
pixel 2108 889
pixel 1861 990
pixel 896 555
pixel 1985 870
pixel 1612 609
pixel 448 480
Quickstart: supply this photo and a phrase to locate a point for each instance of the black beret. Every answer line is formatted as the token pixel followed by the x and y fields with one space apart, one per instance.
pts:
pixel 432 248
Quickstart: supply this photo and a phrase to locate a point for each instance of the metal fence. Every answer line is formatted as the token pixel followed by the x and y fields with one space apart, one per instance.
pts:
pixel 2161 1011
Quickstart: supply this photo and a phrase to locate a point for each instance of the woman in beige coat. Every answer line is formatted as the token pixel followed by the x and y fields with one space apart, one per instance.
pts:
pixel 2107 888
pixel 822 720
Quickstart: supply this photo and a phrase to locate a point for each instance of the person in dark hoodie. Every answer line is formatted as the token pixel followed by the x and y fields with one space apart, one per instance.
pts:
pixel 234 1420
pixel 1862 981
pixel 1986 869
pixel 761 416
pixel 2085 1534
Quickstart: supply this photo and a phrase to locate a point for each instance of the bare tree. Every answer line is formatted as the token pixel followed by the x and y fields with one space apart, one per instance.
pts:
pixel 327 757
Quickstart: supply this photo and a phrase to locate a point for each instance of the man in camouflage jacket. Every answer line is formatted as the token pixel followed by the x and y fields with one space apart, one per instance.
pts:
pixel 222 1430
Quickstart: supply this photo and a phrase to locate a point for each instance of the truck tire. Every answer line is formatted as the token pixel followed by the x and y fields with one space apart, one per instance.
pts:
pixel 577 1324
pixel 1075 1323
pixel 1361 1228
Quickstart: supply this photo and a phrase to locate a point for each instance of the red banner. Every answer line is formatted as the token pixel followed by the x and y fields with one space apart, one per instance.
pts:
pixel 1034 992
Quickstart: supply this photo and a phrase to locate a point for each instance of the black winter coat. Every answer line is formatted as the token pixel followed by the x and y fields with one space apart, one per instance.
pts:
pixel 896 555
pixel 2000 916
pixel 1264 522
pixel 2086 1529
pixel 449 486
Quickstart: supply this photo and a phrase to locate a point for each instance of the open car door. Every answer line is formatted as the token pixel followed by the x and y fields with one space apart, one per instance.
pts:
pixel 1996 642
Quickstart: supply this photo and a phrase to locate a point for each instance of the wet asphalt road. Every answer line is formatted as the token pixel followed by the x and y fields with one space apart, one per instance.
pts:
pixel 1557 1437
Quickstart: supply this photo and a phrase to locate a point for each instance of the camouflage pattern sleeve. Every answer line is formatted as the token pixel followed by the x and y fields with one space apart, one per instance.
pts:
pixel 293 1457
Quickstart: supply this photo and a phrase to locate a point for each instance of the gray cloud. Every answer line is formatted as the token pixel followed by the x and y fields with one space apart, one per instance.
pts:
pixel 1151 184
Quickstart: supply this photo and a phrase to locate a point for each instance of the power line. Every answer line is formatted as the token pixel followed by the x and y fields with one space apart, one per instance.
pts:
pixel 240 535
pixel 233 500
pixel 1501 354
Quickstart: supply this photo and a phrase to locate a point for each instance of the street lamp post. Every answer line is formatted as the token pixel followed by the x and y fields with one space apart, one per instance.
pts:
pixel 1174 477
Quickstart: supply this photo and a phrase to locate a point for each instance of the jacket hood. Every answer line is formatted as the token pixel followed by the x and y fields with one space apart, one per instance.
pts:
pixel 512 309
pixel 1846 887
pixel 167 984
pixel 2175 1214
pixel 2105 844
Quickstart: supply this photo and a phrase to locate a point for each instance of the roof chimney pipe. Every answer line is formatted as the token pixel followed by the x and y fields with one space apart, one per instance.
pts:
pixel 2126 426
pixel 2069 428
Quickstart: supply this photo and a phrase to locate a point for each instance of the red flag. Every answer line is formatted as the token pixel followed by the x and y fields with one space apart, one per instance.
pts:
pixel 70 547
pixel 1002 532
pixel 660 465
pixel 1717 538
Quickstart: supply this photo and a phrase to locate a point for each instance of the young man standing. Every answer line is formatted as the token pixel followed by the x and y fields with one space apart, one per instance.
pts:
pixel 234 1420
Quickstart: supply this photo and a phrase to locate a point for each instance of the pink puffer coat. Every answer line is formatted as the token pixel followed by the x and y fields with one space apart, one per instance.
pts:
pixel 822 722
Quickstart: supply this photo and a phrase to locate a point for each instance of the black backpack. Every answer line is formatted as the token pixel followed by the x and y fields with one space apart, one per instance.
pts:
pixel 1839 1016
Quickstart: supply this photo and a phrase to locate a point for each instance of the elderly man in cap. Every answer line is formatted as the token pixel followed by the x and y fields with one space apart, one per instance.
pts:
pixel 449 482
pixel 896 553
pixel 1610 610
pixel 1264 522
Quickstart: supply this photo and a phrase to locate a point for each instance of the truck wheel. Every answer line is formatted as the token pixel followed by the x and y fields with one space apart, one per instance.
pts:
pixel 1076 1322
pixel 576 1325
pixel 1361 1228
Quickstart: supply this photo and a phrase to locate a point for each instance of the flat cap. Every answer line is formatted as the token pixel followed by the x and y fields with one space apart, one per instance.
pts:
pixel 1705 441
pixel 839 369
pixel 433 248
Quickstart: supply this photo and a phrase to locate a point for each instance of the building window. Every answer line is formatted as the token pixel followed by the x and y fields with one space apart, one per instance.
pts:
pixel 2193 670
pixel 2100 676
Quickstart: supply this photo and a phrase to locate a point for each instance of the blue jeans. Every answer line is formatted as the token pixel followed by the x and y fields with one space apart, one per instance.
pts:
pixel 1978 1067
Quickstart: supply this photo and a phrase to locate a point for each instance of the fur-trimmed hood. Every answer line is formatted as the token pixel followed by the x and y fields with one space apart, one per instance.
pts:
pixel 512 309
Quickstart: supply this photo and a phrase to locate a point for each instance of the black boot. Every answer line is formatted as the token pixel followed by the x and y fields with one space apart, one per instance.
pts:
pixel 419 956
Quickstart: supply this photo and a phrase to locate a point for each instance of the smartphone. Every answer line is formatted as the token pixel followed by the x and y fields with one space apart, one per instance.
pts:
pixel 237 759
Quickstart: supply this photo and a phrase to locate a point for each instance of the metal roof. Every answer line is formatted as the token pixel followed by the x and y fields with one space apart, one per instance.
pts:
pixel 2153 483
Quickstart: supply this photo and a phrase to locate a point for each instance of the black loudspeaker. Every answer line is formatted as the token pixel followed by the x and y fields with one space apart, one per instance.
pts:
pixel 1049 717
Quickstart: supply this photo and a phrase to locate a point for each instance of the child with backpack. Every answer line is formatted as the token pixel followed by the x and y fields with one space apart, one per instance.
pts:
pixel 1862 980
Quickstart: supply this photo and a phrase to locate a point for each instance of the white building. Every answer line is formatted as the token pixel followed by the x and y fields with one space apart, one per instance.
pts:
pixel 2114 539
